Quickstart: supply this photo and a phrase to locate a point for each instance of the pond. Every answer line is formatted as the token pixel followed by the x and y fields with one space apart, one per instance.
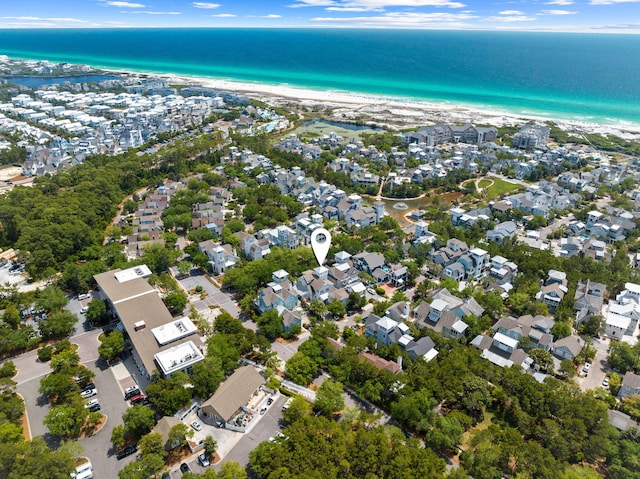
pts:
pixel 337 124
pixel 398 209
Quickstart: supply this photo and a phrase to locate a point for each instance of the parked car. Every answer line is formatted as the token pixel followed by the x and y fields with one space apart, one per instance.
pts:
pixel 371 291
pixel 184 467
pixel 131 391
pixel 139 399
pixel 84 309
pixel 287 404
pixel 605 382
pixel 202 458
pixel 127 451
pixel 88 387
pixel 196 425
pixel 586 368
pixel 269 401
pixel 89 393
pixel 95 407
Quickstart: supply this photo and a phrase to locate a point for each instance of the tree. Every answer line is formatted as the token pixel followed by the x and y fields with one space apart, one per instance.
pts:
pixel 622 356
pixel 567 368
pixel 210 446
pixel 138 421
pixel 561 329
pixel 117 436
pixel 232 470
pixel 298 408
pixel 543 359
pixel 8 369
pixel 111 345
pixel 66 420
pixel 180 434
pixel 144 468
pixel 97 312
pixel 270 324
pixel 57 324
pixel 337 308
pixel 152 444
pixel 168 395
pixel 592 326
pixel 317 309
pixel 176 301
pixel 445 434
pixel 33 459
pixel 329 398
pixel 206 376
pixel 52 299
pixel 65 362
pixel 301 369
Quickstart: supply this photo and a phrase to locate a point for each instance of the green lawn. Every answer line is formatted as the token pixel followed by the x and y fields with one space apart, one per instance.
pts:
pixel 500 187
pixel 484 183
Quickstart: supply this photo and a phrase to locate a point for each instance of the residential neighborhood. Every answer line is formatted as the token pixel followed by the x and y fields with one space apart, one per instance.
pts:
pixel 162 299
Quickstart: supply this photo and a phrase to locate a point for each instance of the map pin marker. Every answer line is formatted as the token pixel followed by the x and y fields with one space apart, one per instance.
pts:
pixel 320 244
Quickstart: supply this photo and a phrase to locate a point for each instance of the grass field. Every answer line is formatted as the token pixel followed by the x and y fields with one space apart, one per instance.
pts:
pixel 500 187
pixel 484 183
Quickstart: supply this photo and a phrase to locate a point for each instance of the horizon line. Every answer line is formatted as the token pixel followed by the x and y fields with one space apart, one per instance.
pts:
pixel 607 31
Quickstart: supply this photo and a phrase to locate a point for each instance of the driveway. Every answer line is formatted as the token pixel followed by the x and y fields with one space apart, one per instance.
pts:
pixel 599 367
pixel 267 426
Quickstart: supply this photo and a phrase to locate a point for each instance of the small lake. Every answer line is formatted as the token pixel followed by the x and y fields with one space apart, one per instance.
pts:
pixel 337 124
pixel 35 82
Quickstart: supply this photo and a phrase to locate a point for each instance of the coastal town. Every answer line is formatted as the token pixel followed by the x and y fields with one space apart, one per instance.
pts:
pixel 162 308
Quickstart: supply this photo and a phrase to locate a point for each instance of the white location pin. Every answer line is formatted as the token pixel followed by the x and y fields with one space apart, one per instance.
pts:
pixel 320 244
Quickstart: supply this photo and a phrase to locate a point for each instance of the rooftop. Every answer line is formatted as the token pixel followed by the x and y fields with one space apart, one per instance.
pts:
pixel 169 332
pixel 178 357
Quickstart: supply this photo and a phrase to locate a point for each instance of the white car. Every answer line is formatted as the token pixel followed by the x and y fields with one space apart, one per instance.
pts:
pixel 202 458
pixel 89 393
pixel 196 425
pixel 605 382
pixel 586 368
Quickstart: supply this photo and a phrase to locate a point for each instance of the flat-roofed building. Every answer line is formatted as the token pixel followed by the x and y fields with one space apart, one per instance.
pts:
pixel 154 334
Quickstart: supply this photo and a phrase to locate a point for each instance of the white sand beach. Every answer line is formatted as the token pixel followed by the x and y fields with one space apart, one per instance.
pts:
pixel 393 113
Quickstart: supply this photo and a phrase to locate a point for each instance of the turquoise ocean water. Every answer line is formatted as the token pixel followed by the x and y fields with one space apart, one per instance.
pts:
pixel 588 77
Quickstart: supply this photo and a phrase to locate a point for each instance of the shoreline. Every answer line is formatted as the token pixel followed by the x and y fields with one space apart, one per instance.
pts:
pixel 390 112
pixel 405 112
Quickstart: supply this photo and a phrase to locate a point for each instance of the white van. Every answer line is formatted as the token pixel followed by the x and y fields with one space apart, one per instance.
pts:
pixel 83 471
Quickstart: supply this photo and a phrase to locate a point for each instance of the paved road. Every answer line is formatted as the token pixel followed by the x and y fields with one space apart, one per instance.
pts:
pixel 269 426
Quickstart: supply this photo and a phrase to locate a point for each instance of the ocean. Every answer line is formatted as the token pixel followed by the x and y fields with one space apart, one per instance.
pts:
pixel 584 77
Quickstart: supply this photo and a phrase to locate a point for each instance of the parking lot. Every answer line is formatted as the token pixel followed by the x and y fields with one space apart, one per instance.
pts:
pixel 97 447
pixel 235 446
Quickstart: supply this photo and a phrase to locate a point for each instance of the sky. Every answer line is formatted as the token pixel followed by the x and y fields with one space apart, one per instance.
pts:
pixel 617 16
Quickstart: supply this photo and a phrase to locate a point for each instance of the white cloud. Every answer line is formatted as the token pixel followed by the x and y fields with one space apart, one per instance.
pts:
pixel 271 15
pixel 558 12
pixel 611 2
pixel 147 12
pixel 510 12
pixel 403 20
pixel 510 19
pixel 563 3
pixel 47 19
pixel 374 5
pixel 126 5
pixel 224 15
pixel 205 5
pixel 313 3
pixel 351 9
